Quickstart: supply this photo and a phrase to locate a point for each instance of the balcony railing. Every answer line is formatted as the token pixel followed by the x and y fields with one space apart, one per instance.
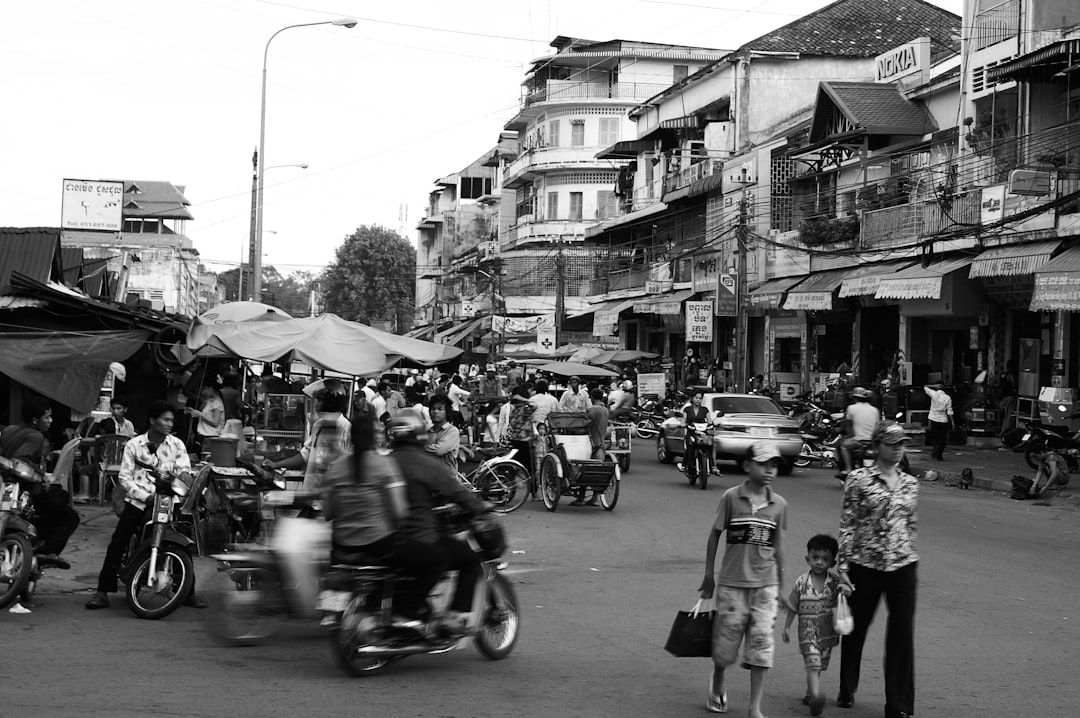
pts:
pixel 902 225
pixel 574 91
pixel 687 176
pixel 996 24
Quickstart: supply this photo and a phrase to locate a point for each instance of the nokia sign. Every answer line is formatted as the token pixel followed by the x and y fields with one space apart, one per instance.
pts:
pixel 914 57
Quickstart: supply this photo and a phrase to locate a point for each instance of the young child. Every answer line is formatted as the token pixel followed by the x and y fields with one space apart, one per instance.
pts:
pixel 750 578
pixel 813 599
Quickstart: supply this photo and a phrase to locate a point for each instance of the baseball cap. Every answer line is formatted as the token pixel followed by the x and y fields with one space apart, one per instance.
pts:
pixel 763 451
pixel 889 432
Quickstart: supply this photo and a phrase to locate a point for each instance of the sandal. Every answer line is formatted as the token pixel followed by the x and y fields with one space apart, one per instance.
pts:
pixel 715 703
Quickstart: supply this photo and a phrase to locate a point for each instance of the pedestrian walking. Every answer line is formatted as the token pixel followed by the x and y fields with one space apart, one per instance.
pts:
pixel 877 557
pixel 813 601
pixel 1007 403
pixel 749 583
pixel 941 419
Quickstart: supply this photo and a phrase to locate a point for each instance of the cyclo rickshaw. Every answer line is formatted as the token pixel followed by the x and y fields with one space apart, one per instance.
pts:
pixel 617 443
pixel 568 468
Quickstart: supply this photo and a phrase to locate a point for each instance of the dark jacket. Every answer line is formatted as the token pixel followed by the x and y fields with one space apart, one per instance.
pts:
pixel 428 483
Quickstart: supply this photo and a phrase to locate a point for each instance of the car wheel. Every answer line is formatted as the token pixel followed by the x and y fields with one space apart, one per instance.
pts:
pixel 663 455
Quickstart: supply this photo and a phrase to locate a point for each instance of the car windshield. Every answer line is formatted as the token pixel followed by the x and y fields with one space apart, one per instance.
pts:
pixel 745 405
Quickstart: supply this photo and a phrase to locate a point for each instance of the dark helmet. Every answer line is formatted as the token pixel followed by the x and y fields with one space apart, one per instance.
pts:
pixel 407 427
pixel 333 395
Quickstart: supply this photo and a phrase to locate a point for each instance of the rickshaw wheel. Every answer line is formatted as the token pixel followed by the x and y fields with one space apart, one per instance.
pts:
pixel 610 497
pixel 550 489
pixel 624 462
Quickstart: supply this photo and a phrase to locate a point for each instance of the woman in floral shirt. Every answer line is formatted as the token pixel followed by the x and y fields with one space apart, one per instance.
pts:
pixel 877 556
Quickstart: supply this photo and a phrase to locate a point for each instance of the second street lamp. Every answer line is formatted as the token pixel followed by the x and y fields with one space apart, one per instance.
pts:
pixel 256 259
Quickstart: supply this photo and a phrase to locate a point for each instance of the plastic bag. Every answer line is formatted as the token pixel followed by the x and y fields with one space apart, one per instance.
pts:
pixel 691 632
pixel 843 623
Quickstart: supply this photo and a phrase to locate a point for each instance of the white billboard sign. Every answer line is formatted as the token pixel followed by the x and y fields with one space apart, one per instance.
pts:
pixel 699 321
pixel 92 205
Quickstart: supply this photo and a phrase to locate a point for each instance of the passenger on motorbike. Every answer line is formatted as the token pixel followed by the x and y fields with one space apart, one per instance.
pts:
pixel 695 414
pixel 157 447
pixel 861 418
pixel 429 483
pixel 364 498
pixel 329 438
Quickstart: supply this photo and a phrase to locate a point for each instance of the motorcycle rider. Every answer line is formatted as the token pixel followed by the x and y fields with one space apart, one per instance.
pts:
pixel 621 401
pixel 860 419
pixel 329 437
pixel 695 414
pixel 429 483
pixel 158 447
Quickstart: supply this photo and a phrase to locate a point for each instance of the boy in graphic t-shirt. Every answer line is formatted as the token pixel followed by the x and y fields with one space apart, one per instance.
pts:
pixel 750 581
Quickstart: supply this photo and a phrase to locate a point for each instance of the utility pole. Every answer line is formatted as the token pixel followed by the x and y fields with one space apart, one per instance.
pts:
pixel 560 292
pixel 741 326
pixel 254 224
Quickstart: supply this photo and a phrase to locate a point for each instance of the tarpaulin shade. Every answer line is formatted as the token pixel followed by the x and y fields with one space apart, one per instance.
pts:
pixel 569 368
pixel 67 367
pixel 325 342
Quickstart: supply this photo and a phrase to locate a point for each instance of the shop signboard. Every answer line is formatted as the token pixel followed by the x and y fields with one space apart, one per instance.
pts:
pixel 522 325
pixel 706 269
pixel 545 340
pixel 809 301
pixel 727 299
pixel 652 384
pixel 92 205
pixel 658 287
pixel 605 324
pixel 787 261
pixel 998 204
pixel 699 321
pixel 1056 291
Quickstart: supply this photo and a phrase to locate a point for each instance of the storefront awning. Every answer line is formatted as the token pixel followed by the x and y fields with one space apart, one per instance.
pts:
pixel 624 150
pixel 606 316
pixel 1057 283
pixel 668 303
pixel 918 282
pixel 454 335
pixel 864 280
pixel 1013 260
pixel 816 292
pixel 769 294
pixel 602 227
pixel 1039 59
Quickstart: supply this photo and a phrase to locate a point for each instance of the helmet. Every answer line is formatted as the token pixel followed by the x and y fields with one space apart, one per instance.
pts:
pixel 628 385
pixel 332 396
pixel 407 428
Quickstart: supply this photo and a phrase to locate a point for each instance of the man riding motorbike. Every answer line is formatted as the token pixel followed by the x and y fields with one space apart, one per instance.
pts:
pixel 695 414
pixel 860 419
pixel 429 483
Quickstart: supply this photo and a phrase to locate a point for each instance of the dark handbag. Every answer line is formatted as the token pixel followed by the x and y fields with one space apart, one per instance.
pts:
pixel 691 633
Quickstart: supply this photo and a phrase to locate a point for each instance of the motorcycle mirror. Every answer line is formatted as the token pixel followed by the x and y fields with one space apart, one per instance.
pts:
pixel 178 487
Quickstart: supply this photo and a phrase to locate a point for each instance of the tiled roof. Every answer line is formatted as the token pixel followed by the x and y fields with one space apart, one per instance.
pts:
pixel 879 108
pixel 857 28
pixel 33 251
pixel 155 199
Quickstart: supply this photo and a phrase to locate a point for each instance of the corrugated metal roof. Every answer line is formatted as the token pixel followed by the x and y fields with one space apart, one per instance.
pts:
pixel 1014 259
pixel 33 251
pixel 155 199
pixel 1067 261
pixel 71 259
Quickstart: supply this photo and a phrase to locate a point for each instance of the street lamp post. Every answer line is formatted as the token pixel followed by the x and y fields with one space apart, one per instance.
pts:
pixel 256 259
pixel 255 242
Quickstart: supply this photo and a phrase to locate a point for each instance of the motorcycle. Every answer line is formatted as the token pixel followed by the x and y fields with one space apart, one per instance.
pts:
pixel 242 517
pixel 647 418
pixel 499 479
pixel 820 449
pixel 701 437
pixel 257 587
pixel 1038 437
pixel 19 569
pixel 158 572
pixel 360 598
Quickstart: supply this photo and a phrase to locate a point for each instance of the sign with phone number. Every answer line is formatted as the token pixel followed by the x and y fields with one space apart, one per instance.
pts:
pixel 699 321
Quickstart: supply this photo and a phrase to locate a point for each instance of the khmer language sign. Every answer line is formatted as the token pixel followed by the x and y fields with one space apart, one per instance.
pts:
pixel 92 205
pixel 699 321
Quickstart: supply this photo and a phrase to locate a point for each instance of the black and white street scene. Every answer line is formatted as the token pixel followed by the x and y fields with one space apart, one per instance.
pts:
pixel 629 359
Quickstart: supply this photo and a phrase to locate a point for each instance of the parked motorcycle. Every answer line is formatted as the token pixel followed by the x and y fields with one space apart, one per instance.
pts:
pixel 360 597
pixel 158 572
pixel 499 479
pixel 820 449
pixel 258 587
pixel 1038 436
pixel 19 569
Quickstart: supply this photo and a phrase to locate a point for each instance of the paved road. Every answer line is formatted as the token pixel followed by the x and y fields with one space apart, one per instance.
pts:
pixel 997 627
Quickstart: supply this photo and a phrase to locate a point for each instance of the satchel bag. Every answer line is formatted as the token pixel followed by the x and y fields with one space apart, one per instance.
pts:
pixel 843 622
pixel 691 632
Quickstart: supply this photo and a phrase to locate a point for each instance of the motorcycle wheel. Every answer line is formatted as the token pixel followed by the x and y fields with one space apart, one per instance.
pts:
pixel 646 428
pixel 16 558
pixel 350 634
pixel 803 460
pixel 1035 447
pixel 703 469
pixel 550 489
pixel 499 630
pixel 507 487
pixel 244 611
pixel 624 462
pixel 174 565
pixel 610 497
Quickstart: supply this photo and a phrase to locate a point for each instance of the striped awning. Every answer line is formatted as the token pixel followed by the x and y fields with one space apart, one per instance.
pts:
pixel 1033 60
pixel 816 292
pixel 669 303
pixel 918 282
pixel 1014 259
pixel 864 280
pixel 769 294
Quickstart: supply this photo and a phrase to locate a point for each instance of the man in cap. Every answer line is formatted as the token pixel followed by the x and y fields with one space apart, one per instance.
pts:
pixel 941 419
pixel 490 384
pixel 750 581
pixel 860 419
pixel 576 398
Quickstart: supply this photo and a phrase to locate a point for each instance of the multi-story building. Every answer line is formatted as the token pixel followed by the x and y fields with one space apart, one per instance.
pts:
pixel 151 253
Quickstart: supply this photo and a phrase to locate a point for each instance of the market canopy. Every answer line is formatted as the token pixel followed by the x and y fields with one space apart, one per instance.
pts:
pixel 325 342
pixel 622 355
pixel 232 313
pixel 68 367
pixel 569 368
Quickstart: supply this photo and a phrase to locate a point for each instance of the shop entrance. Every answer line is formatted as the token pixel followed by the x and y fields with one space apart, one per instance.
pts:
pixel 878 328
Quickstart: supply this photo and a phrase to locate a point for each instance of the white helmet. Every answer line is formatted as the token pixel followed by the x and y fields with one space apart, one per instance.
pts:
pixel 628 385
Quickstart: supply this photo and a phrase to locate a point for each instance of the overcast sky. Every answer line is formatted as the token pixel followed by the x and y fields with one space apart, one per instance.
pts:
pixel 168 90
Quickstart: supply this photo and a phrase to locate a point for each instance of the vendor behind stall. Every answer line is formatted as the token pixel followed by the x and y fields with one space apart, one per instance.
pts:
pixel 329 438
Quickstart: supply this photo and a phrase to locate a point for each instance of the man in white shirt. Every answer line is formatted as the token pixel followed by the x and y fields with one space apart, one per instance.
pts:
pixel 621 401
pixel 574 399
pixel 862 418
pixel 941 419
pixel 543 402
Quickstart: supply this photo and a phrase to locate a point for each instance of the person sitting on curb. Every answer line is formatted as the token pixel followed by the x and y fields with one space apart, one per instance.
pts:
pixel 1053 473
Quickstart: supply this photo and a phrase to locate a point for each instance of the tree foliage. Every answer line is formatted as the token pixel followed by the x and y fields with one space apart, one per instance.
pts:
pixel 291 294
pixel 372 278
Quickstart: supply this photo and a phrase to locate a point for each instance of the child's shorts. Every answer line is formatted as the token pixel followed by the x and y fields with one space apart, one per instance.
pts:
pixel 749 613
pixel 815 657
